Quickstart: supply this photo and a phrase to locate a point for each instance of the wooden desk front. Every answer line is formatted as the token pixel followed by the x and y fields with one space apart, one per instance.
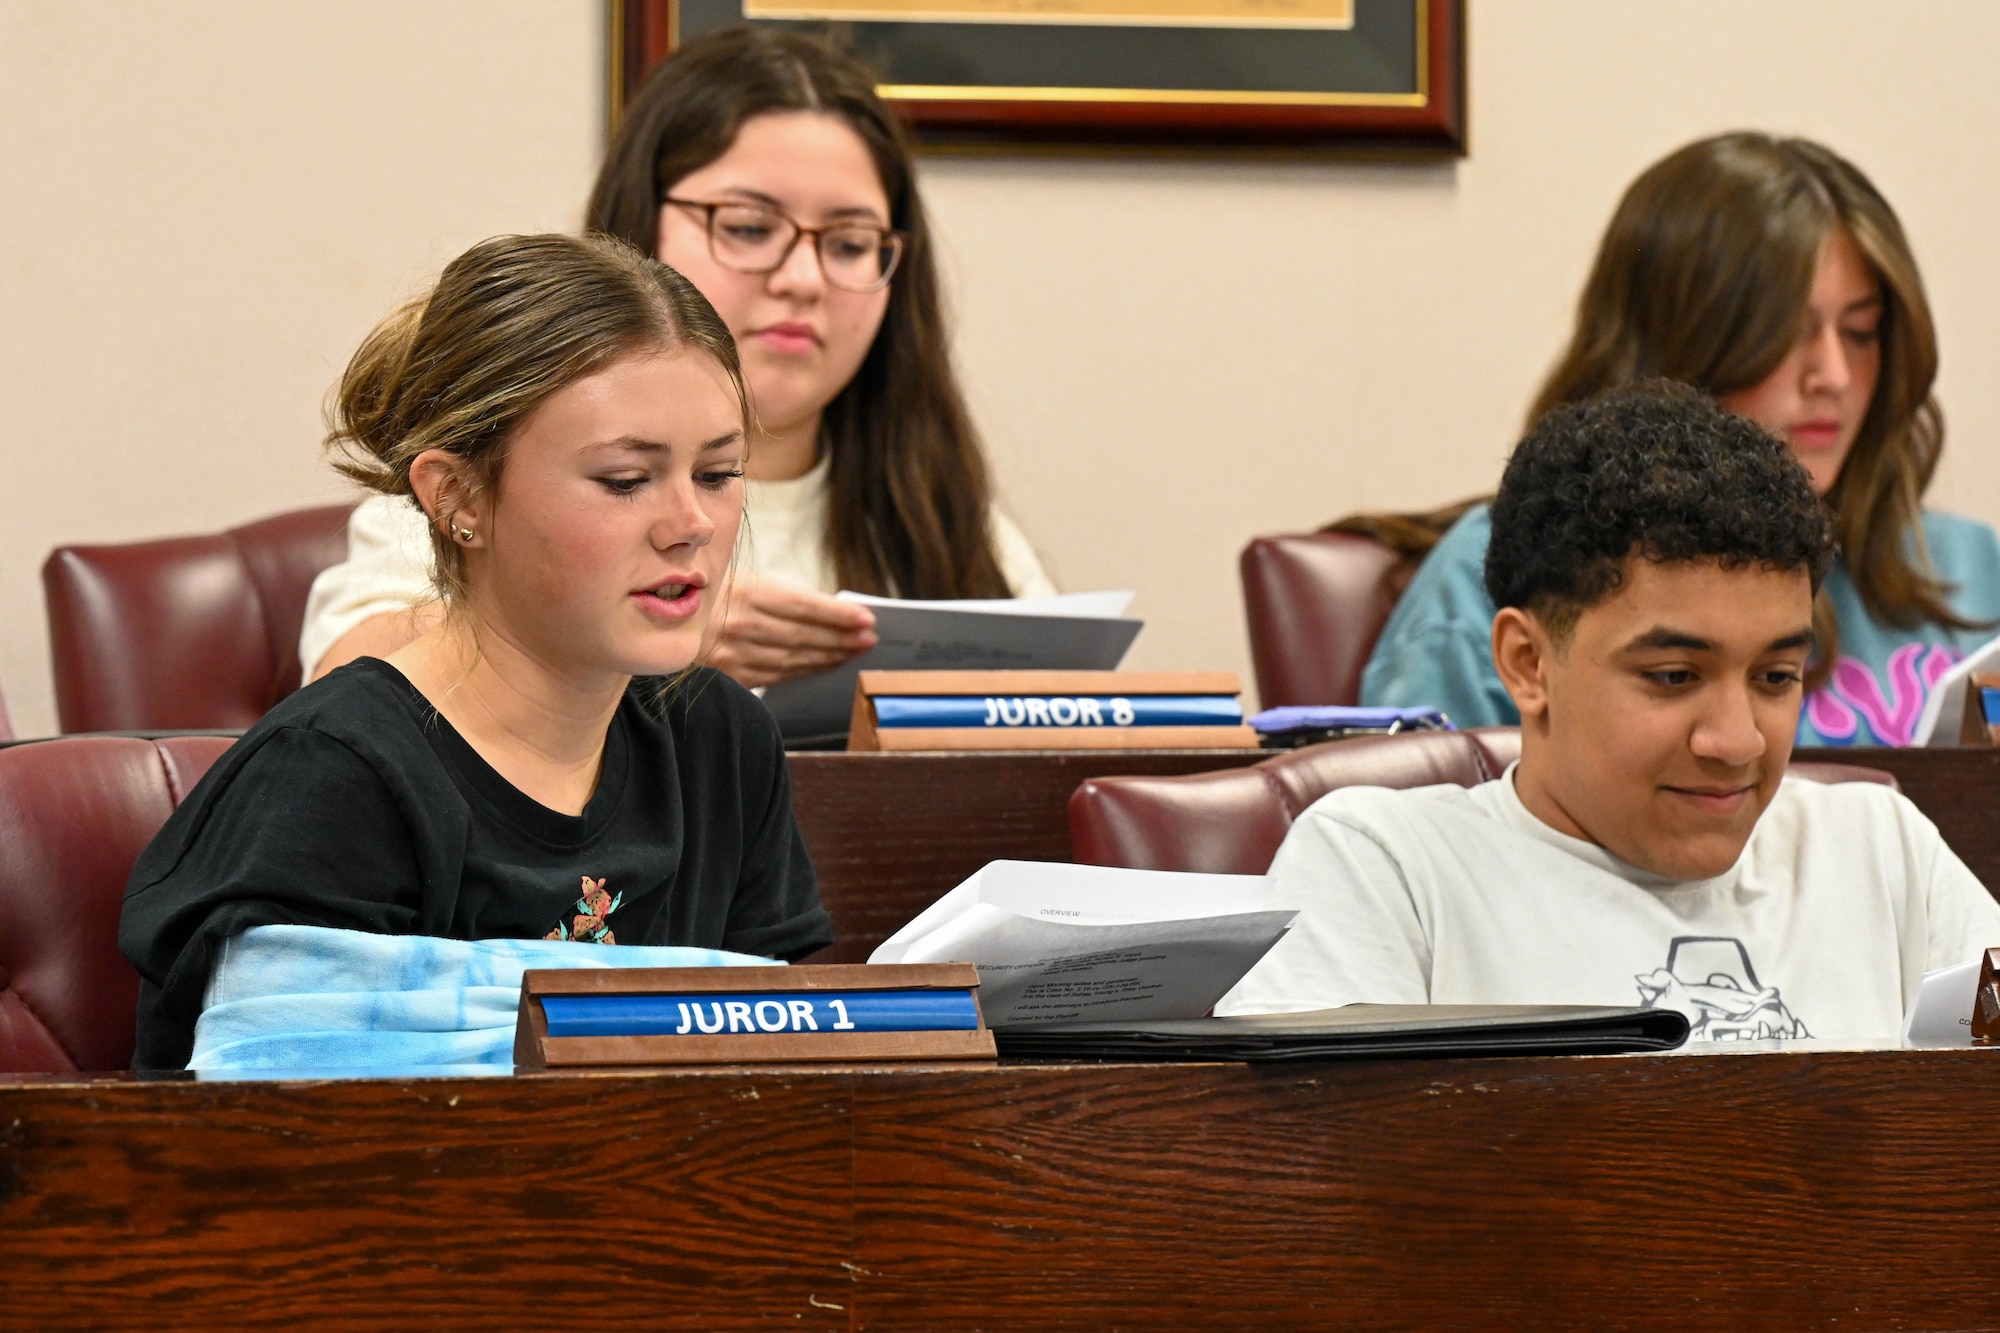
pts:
pixel 1749 1191
pixel 891 832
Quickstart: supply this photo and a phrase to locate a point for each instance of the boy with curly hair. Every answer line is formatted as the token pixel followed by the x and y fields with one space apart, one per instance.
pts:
pixel 1654 560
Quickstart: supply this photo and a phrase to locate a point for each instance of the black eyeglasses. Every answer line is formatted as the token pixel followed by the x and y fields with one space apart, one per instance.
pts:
pixel 754 238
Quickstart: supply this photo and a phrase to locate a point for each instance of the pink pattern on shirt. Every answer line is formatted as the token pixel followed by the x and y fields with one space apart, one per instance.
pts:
pixel 1854 694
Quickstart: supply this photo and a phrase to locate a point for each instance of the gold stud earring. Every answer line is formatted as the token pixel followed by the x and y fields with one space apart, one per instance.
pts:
pixel 464 534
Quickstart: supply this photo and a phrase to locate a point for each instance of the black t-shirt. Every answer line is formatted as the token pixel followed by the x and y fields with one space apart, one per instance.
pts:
pixel 354 804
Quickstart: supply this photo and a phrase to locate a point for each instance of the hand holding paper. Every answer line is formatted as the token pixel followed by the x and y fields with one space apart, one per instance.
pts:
pixel 772 632
pixel 1077 632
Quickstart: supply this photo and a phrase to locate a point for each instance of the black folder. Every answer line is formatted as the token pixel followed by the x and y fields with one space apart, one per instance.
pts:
pixel 1374 1031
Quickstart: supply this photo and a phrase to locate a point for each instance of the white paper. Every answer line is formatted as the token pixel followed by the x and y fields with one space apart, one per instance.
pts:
pixel 1941 1013
pixel 917 636
pixel 1056 942
pixel 1944 709
pixel 1091 605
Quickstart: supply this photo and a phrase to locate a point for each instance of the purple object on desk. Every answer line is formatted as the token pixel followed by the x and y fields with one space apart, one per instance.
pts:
pixel 1334 717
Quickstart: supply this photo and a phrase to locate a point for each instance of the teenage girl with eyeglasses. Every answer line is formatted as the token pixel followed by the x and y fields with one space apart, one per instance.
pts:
pixel 763 166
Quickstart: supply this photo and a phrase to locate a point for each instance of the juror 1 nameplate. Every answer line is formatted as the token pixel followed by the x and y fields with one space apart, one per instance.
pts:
pixel 1048 710
pixel 750 1015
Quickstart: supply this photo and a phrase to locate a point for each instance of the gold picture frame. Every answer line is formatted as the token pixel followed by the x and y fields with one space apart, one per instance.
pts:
pixel 1292 73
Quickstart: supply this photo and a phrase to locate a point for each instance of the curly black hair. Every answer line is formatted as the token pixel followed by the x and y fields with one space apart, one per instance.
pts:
pixel 1654 467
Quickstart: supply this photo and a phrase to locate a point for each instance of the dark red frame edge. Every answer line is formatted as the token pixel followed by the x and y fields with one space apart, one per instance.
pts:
pixel 646 38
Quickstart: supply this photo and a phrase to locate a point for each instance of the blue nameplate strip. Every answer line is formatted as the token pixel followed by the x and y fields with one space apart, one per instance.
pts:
pixel 1082 711
pixel 710 1015
pixel 1989 703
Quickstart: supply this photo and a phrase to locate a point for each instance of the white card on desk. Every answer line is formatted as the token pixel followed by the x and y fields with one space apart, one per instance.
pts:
pixel 1941 1013
pixel 1944 709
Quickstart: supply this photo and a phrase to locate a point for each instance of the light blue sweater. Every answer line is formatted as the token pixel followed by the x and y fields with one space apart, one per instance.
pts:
pixel 1436 648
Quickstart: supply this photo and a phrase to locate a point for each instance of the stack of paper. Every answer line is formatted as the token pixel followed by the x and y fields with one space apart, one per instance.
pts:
pixel 1058 943
pixel 1083 631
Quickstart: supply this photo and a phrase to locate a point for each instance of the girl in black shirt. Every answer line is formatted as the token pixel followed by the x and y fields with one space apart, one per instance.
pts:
pixel 570 416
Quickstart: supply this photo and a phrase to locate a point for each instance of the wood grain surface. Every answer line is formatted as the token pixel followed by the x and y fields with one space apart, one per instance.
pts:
pixel 892 833
pixel 506 1203
pixel 1726 1192
pixel 1815 1189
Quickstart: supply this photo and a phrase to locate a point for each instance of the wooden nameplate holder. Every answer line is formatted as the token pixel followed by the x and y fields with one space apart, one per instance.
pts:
pixel 1978 728
pixel 813 1014
pixel 1986 1002
pixel 1049 710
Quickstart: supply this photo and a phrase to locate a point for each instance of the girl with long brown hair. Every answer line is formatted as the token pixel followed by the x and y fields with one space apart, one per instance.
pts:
pixel 762 165
pixel 1771 274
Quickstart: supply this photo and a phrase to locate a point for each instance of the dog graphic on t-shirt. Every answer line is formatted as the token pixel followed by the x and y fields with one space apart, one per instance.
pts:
pixel 1709 978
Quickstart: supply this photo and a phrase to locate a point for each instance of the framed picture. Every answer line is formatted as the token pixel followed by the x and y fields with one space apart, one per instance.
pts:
pixel 1280 73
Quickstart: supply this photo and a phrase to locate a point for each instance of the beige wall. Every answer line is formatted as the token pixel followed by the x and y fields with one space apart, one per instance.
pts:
pixel 208 203
pixel 1172 357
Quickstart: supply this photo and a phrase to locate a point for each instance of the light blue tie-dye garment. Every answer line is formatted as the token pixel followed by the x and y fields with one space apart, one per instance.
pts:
pixel 1436 651
pixel 308 997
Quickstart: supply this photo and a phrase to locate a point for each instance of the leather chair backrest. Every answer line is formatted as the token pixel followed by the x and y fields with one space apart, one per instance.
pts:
pixel 1231 822
pixel 74 815
pixel 1316 603
pixel 189 632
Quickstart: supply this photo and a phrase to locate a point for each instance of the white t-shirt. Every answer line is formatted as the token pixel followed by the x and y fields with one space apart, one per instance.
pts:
pixel 1845 896
pixel 784 541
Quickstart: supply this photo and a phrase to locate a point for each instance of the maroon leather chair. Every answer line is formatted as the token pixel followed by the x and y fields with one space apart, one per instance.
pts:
pixel 1231 822
pixel 189 632
pixel 74 815
pixel 1316 603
